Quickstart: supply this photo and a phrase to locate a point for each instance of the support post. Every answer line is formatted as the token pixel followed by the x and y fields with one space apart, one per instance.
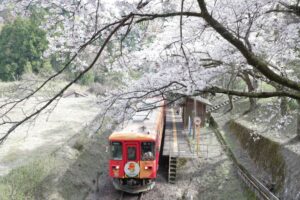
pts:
pixel 198 138
pixel 197 122
pixel 195 114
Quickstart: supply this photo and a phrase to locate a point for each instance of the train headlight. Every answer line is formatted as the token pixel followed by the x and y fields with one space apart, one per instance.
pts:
pixel 148 167
pixel 116 167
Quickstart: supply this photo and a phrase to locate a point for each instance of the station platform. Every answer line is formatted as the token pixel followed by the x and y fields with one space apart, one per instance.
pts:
pixel 175 139
pixel 176 143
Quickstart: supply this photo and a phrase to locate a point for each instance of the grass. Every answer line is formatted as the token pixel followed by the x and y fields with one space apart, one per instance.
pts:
pixel 181 162
pixel 22 183
pixel 78 145
pixel 13 154
pixel 13 89
pixel 266 87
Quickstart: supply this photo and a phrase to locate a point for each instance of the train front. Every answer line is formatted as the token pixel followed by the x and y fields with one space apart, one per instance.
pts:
pixel 133 162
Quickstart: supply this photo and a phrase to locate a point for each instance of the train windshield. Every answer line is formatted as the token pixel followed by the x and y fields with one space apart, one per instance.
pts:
pixel 131 153
pixel 116 150
pixel 148 152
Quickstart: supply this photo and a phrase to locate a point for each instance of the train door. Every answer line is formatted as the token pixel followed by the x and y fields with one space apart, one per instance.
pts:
pixel 132 157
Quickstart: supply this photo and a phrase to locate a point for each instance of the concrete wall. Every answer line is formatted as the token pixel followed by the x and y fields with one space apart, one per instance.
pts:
pixel 281 164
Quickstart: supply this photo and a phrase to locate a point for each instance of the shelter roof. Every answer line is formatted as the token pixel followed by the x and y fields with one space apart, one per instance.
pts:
pixel 202 100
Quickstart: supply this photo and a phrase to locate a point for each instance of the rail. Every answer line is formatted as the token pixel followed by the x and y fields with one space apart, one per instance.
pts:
pixel 261 191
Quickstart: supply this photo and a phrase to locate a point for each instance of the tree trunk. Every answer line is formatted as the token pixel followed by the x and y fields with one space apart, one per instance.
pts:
pixel 251 88
pixel 253 104
pixel 230 104
pixel 283 106
pixel 283 101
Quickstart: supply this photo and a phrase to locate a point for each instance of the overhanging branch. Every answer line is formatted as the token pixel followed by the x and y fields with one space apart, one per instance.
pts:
pixel 147 17
pixel 258 63
pixel 214 90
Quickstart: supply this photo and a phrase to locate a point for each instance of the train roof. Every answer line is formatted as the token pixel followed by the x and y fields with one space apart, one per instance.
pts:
pixel 142 126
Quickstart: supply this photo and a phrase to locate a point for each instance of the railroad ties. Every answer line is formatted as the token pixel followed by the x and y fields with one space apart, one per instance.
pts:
pixel 213 108
pixel 175 143
pixel 127 196
pixel 172 169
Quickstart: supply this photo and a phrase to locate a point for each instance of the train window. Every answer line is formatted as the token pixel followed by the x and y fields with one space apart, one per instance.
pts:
pixel 116 150
pixel 148 152
pixel 131 153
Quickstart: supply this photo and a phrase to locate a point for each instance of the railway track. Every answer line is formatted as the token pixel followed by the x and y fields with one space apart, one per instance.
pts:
pixel 126 196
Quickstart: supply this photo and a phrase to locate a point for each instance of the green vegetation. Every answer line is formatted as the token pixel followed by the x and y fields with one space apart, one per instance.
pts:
pixel 22 183
pixel 79 145
pixel 135 74
pixel 292 104
pixel 182 162
pixel 87 79
pixel 241 85
pixel 22 45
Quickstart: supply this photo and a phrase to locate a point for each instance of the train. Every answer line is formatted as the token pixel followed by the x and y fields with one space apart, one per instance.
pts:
pixel 135 150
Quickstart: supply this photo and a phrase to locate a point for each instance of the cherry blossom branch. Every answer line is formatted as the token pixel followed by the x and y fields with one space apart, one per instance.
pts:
pixel 293 9
pixel 147 17
pixel 214 90
pixel 253 60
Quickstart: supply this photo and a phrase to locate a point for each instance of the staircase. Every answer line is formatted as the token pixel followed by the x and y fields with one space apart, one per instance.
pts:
pixel 172 169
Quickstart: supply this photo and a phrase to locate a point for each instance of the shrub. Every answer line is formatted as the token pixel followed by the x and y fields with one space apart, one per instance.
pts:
pixel 87 79
pixel 22 43
pixel 21 183
pixel 292 104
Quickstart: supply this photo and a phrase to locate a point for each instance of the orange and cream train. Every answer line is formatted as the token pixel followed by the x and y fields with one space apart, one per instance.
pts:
pixel 135 151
